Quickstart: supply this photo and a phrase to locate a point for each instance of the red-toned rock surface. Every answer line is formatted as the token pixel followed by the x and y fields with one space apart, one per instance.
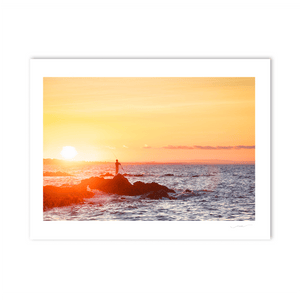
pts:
pixel 56 174
pixel 63 196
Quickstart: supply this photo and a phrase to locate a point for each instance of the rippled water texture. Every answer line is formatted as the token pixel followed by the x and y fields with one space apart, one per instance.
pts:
pixel 217 193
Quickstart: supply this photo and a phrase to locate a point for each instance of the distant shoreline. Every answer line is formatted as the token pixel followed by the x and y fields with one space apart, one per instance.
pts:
pixel 54 161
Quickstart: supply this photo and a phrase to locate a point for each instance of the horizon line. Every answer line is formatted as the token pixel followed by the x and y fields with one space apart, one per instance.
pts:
pixel 152 162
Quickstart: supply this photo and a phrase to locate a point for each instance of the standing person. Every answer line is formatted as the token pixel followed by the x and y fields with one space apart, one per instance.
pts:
pixel 117 166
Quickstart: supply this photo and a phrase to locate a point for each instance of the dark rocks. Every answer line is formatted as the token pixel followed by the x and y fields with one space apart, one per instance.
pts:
pixel 158 195
pixel 169 175
pixel 107 174
pixel 187 193
pixel 93 182
pixel 121 186
pixel 56 174
pixel 68 195
pixel 62 196
pixel 133 175
pixel 140 188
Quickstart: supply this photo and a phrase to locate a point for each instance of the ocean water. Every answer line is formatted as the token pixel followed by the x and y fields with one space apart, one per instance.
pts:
pixel 216 193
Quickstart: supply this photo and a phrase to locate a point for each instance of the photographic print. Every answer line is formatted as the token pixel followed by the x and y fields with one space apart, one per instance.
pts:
pixel 153 141
pixel 149 149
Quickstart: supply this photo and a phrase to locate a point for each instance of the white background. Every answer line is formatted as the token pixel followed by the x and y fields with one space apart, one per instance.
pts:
pixel 150 270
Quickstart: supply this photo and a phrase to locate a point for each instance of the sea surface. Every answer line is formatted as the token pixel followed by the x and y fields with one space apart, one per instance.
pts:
pixel 203 193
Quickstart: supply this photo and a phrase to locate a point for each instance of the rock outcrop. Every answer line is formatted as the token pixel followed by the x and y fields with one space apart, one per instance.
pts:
pixel 133 175
pixel 56 174
pixel 54 196
pixel 121 186
pixel 65 195
pixel 107 174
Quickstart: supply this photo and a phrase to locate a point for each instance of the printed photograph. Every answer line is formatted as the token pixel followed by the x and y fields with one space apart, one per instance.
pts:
pixel 149 149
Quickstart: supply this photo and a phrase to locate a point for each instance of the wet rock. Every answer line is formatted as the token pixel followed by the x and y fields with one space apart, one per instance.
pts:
pixel 54 196
pixel 56 174
pixel 188 191
pixel 67 195
pixel 133 175
pixel 121 186
pixel 158 195
pixel 92 182
pixel 118 185
pixel 107 174
pixel 169 175
pixel 140 188
pixel 66 185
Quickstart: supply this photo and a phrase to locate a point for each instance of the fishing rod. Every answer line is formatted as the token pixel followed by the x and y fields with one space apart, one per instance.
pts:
pixel 117 158
pixel 114 154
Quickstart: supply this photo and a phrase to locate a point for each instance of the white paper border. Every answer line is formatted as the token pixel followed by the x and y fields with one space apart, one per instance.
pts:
pixel 152 230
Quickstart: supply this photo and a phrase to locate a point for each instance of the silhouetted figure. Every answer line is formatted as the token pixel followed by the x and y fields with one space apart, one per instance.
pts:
pixel 117 166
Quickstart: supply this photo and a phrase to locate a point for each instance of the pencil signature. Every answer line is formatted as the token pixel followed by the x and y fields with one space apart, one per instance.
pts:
pixel 236 226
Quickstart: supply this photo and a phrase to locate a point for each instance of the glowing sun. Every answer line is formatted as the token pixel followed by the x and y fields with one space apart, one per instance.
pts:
pixel 68 152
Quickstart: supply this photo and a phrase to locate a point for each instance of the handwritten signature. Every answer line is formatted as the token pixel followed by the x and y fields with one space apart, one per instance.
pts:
pixel 236 226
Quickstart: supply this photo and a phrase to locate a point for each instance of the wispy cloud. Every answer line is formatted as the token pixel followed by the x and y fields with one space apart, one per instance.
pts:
pixel 125 147
pixel 170 147
pixel 147 147
pixel 244 147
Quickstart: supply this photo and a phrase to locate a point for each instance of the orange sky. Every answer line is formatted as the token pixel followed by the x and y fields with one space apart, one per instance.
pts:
pixel 150 119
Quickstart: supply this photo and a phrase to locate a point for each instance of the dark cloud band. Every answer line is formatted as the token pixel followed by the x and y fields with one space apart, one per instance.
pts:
pixel 170 147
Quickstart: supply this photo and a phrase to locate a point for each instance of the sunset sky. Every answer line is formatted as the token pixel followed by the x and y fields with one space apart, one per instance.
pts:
pixel 150 119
